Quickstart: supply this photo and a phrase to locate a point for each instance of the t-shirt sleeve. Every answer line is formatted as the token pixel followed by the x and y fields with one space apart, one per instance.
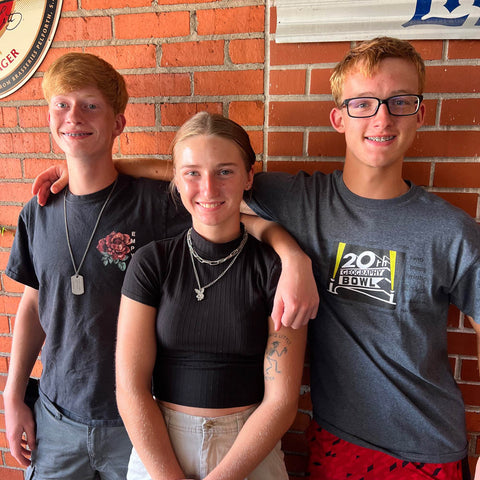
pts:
pixel 142 278
pixel 20 264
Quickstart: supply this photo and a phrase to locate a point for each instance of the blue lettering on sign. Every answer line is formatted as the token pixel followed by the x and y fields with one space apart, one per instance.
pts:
pixel 449 13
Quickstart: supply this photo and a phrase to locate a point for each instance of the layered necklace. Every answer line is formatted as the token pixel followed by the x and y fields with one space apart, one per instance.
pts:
pixel 200 291
pixel 77 283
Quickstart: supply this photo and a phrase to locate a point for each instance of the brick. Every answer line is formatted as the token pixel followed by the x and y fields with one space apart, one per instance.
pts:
pixel 417 172
pixel 470 393
pixel 11 286
pixel 446 144
pixel 8 117
pixel 9 215
pixel 250 50
pixel 175 114
pixel 429 49
pixel 33 116
pixel 464 49
pixel 320 83
pixel 326 144
pixel 152 25
pixel 430 112
pixel 140 115
pixel 466 201
pixel 287 82
pixel 473 421
pixel 158 85
pixel 241 82
pixel 247 113
pixel 146 143
pixel 457 175
pixel 35 166
pixel 6 236
pixel 453 319
pixel 296 464
pixel 207 52
pixel 86 28
pixel 175 2
pixel 445 79
pixel 460 112
pixel 31 90
pixel 69 5
pixel 469 371
pixel 104 4
pixel 295 442
pixel 256 139
pixel 10 168
pixel 127 56
pixel 462 343
pixel 24 142
pixel 307 53
pixel 231 20
pixel 5 344
pixel 4 329
pixel 10 474
pixel 302 114
pixel 15 192
pixel 285 144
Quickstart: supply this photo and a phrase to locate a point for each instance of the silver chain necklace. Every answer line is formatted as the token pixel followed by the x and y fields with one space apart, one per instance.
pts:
pixel 200 291
pixel 78 287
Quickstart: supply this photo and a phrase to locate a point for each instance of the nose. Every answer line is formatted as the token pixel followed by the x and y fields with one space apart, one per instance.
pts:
pixel 74 114
pixel 383 115
pixel 209 185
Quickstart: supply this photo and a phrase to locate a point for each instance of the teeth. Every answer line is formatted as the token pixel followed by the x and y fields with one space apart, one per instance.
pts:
pixel 209 205
pixel 75 134
pixel 381 139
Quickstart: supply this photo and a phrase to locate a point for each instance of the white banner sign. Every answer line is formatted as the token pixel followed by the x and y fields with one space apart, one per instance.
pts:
pixel 341 20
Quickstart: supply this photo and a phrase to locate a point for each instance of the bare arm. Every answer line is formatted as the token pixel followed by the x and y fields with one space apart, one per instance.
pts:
pixel 135 360
pixel 55 178
pixel 28 338
pixel 477 470
pixel 296 299
pixel 283 366
pixel 476 327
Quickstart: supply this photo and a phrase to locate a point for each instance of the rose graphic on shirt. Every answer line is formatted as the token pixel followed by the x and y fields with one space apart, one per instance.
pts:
pixel 115 249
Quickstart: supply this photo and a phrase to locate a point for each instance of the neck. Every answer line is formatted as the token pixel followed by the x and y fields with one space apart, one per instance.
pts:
pixel 217 234
pixel 375 183
pixel 90 178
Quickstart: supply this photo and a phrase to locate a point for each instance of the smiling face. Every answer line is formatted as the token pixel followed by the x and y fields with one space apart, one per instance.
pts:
pixel 83 124
pixel 211 176
pixel 379 142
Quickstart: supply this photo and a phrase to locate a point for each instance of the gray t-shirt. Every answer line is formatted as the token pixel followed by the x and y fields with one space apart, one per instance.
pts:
pixel 386 271
pixel 78 355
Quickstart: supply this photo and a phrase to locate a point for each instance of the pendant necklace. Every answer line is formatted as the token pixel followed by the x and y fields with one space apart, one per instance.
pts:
pixel 200 291
pixel 78 287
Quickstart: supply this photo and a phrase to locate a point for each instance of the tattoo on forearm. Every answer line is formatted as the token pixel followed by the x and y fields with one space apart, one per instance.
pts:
pixel 276 347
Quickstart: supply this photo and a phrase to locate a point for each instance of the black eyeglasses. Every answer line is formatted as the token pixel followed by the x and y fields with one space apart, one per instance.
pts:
pixel 399 105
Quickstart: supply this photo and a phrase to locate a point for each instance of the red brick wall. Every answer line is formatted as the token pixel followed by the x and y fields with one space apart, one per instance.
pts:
pixel 184 56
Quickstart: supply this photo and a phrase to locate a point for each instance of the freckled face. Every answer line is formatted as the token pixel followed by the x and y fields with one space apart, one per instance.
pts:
pixel 83 124
pixel 211 177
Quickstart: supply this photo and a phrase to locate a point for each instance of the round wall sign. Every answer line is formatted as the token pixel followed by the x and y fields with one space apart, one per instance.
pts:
pixel 27 28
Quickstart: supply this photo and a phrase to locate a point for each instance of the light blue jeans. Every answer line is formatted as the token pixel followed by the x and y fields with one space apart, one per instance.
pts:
pixel 70 450
pixel 200 443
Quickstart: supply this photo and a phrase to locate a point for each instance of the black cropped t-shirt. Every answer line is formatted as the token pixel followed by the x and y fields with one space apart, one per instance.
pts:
pixel 209 353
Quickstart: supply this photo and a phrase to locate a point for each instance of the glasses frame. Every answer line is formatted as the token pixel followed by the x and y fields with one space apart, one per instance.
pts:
pixel 384 102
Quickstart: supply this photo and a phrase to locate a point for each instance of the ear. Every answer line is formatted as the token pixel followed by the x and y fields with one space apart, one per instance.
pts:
pixel 421 115
pixel 249 179
pixel 337 120
pixel 120 122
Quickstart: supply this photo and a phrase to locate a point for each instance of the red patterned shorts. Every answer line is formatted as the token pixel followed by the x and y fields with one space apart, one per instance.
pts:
pixel 334 459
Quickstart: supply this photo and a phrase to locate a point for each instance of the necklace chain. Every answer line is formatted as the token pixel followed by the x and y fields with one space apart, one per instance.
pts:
pixel 76 279
pixel 200 291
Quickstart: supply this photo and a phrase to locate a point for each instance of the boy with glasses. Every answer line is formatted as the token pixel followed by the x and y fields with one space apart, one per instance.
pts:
pixel 389 258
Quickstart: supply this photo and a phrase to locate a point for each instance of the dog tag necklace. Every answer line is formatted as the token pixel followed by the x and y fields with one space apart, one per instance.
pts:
pixel 78 287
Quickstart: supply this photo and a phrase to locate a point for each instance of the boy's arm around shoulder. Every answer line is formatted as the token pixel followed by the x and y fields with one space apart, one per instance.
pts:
pixel 54 179
pixel 296 298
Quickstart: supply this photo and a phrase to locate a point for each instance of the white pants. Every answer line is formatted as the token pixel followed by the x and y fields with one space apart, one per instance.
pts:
pixel 200 443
